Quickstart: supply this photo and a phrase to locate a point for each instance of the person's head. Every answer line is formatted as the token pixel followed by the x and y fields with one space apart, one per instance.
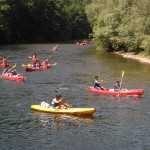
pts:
pixel 34 54
pixel 96 77
pixel 58 96
pixel 4 57
pixel 117 82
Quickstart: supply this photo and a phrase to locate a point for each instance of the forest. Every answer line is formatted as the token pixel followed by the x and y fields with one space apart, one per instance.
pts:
pixel 121 24
pixel 28 21
pixel 114 24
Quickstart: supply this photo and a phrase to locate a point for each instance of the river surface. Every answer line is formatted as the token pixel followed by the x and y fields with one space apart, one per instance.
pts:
pixel 118 123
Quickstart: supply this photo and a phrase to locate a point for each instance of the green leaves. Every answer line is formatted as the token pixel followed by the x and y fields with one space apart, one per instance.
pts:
pixel 119 24
pixel 42 20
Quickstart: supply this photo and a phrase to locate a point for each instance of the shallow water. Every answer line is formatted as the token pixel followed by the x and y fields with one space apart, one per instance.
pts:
pixel 117 123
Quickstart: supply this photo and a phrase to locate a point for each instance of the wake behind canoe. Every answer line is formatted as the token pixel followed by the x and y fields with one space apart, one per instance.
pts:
pixel 71 111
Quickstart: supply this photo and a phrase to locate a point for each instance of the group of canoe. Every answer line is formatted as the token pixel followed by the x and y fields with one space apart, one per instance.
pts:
pixel 84 42
pixel 45 107
pixel 36 65
pixel 11 74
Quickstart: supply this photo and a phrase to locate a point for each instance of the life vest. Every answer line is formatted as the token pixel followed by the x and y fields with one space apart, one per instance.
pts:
pixel 5 63
pixel 34 60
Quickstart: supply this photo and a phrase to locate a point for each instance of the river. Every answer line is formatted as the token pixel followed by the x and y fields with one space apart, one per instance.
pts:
pixel 118 123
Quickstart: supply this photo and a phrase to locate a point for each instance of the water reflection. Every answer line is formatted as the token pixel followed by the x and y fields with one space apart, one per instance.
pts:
pixel 126 99
pixel 60 120
pixel 129 99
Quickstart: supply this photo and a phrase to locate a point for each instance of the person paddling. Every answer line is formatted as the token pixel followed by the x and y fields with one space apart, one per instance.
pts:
pixel 57 102
pixel 34 58
pixel 5 71
pixel 117 86
pixel 34 65
pixel 55 48
pixel 38 65
pixel 45 63
pixel 97 84
pixel 5 62
pixel 13 72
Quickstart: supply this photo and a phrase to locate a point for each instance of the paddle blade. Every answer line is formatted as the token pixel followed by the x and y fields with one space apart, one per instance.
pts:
pixel 30 57
pixel 23 65
pixel 14 66
pixel 49 56
pixel 54 64
pixel 29 65
pixel 122 74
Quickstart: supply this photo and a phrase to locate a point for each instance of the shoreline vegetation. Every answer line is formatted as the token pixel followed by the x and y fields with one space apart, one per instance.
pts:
pixel 131 55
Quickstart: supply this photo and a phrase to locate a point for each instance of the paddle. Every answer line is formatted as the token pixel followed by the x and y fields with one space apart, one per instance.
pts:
pixel 46 59
pixel 121 79
pixel 54 64
pixel 121 82
pixel 11 68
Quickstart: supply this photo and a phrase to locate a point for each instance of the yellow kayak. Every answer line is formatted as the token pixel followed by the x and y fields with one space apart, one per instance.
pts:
pixel 71 111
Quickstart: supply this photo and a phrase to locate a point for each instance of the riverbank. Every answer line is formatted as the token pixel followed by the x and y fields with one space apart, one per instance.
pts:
pixel 139 57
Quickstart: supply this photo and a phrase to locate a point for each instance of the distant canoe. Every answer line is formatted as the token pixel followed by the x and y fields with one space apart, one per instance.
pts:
pixel 28 69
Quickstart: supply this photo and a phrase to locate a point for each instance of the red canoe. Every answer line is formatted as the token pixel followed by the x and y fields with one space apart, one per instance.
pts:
pixel 14 77
pixel 131 92
pixel 28 69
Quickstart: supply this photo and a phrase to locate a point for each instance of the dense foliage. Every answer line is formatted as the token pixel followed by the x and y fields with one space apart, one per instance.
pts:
pixel 42 20
pixel 121 24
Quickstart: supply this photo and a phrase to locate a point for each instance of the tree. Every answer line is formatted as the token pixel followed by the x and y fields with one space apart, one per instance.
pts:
pixel 124 26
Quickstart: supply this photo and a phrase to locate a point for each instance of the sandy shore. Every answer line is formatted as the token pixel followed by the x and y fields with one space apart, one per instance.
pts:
pixel 140 58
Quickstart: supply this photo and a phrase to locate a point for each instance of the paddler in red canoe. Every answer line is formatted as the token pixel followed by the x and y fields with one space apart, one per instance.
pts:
pixel 117 86
pixel 77 43
pixel 34 58
pixel 14 73
pixel 97 84
pixel 84 42
pixel 5 71
pixel 4 62
pixel 45 63
pixel 55 49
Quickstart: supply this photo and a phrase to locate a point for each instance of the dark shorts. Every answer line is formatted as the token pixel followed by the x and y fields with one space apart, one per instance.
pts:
pixel 54 105
pixel 97 87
